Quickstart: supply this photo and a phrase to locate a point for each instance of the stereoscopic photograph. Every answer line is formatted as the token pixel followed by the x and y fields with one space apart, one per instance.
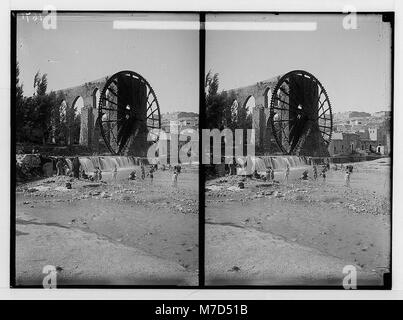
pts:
pixel 106 174
pixel 301 194
pixel 280 123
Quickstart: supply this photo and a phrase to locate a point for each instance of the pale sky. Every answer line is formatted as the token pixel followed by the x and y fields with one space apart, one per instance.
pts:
pixel 353 65
pixel 85 47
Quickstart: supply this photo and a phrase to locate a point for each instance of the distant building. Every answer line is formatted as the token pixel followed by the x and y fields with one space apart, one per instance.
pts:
pixel 361 132
pixel 374 140
pixel 181 120
pixel 374 134
pixel 382 114
pixel 180 128
pixel 358 114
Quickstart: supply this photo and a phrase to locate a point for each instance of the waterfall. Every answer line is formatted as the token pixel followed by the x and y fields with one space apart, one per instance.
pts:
pixel 86 164
pixel 259 164
pixel 280 162
pixel 105 163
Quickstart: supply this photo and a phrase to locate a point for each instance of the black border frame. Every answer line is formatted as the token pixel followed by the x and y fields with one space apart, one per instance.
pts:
pixel 387 16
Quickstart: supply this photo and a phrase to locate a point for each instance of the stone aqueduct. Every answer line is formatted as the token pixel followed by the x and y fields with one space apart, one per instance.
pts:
pixel 89 92
pixel 260 92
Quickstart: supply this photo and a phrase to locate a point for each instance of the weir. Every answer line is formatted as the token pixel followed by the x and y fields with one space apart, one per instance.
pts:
pixel 278 163
pixel 105 163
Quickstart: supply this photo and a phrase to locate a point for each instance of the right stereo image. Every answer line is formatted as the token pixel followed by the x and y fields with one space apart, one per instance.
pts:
pixel 297 149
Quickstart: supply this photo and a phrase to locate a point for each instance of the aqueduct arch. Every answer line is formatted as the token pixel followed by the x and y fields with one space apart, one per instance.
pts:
pixel 88 113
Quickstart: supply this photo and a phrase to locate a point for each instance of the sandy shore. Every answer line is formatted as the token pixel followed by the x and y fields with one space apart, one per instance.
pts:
pixel 124 232
pixel 300 233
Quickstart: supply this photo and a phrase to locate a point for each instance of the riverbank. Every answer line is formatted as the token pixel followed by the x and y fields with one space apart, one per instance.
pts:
pixel 300 232
pixel 114 232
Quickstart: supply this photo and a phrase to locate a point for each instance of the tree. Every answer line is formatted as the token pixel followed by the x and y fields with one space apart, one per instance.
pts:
pixel 220 113
pixel 19 105
pixel 211 84
pixel 215 102
pixel 38 117
pixel 35 113
pixel 40 84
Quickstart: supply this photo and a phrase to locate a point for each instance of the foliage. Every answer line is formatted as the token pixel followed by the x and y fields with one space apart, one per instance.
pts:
pixel 36 120
pixel 40 84
pixel 19 104
pixel 221 111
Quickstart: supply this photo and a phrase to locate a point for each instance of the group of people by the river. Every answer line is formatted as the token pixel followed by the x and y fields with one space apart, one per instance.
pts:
pixel 324 168
pixel 77 171
pixel 133 174
pixel 152 169
pixel 317 170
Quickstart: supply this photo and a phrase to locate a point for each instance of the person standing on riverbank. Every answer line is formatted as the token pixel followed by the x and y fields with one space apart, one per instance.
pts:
pixel 286 173
pixel 59 167
pixel 347 178
pixel 76 168
pixel 323 173
pixel 315 172
pixel 175 177
pixel 151 174
pixel 115 173
pixel 143 172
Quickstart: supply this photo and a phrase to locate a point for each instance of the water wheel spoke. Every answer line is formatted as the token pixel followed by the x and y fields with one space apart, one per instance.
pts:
pixel 110 101
pixel 109 109
pixel 320 117
pixel 324 132
pixel 148 117
pixel 293 110
pixel 150 104
pixel 284 91
pixel 111 129
pixel 319 96
pixel 290 97
pixel 324 126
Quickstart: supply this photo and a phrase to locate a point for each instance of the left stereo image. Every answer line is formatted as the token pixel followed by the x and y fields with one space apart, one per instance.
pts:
pixel 105 149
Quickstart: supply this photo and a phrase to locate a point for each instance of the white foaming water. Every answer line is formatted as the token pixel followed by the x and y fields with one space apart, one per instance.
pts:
pixel 276 162
pixel 280 162
pixel 106 163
